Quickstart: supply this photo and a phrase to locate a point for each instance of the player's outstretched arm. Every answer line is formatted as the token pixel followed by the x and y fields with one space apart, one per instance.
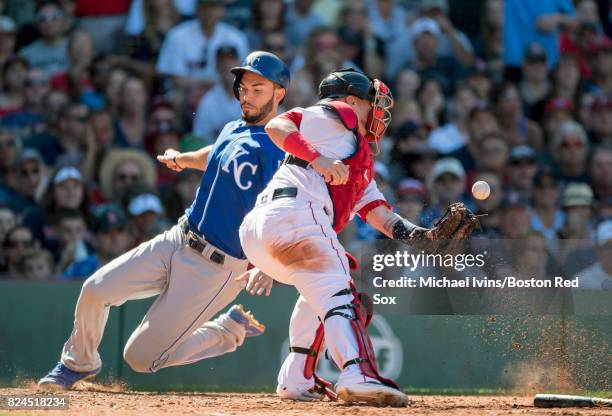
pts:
pixel 178 161
pixel 391 224
pixel 285 134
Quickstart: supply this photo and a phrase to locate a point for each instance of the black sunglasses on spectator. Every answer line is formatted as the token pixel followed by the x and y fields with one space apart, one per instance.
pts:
pixel 49 17
pixel 20 243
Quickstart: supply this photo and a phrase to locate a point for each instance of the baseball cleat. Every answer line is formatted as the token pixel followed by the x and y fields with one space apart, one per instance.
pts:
pixel 310 395
pixel 251 325
pixel 63 378
pixel 373 393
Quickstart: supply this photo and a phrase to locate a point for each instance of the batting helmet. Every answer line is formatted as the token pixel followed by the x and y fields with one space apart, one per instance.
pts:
pixel 265 64
pixel 347 82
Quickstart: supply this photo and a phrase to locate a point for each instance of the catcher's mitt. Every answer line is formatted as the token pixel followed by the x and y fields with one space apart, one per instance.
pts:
pixel 454 226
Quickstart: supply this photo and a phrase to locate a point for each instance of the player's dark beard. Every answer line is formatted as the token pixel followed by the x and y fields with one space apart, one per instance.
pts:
pixel 261 114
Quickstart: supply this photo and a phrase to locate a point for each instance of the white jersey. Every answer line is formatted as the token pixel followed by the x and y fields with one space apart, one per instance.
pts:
pixel 332 139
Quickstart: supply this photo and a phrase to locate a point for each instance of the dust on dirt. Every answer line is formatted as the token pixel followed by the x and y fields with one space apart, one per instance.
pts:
pixel 93 399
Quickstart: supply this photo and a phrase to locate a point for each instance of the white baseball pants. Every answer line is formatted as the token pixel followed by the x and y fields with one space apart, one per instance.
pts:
pixel 293 241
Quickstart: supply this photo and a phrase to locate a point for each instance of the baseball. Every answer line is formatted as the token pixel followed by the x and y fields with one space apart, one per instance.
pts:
pixel 481 190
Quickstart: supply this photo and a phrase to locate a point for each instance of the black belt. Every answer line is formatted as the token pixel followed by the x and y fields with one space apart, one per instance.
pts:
pixel 293 160
pixel 289 192
pixel 196 243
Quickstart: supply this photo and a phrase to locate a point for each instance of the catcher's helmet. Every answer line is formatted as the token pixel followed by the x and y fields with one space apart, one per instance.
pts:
pixel 265 64
pixel 347 82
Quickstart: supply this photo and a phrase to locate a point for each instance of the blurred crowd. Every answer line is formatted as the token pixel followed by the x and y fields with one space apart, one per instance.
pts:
pixel 517 93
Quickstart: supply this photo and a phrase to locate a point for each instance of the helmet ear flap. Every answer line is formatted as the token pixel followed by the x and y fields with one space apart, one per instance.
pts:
pixel 236 85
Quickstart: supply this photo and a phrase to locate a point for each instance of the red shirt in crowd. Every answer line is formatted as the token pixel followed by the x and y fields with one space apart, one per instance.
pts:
pixel 100 7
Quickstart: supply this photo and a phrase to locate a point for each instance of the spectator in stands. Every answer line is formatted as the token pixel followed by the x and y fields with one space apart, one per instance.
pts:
pixel 105 20
pixel 546 217
pixel 266 16
pixel 430 96
pixel 517 129
pixel 75 139
pixel 490 206
pixel 451 43
pixel 161 116
pixel 8 220
pixel 9 149
pixel 188 53
pixel 453 135
pixel 30 120
pixel 388 20
pixel 76 81
pixel 406 85
pixel 481 122
pixel 601 121
pixel 321 56
pixel 480 78
pixel 130 124
pixel 409 137
pixel 446 185
pixel 515 217
pixel 566 77
pixel 112 89
pixel 357 40
pixel 47 141
pixel 18 242
pixel 7 39
pixel 492 155
pixel 301 20
pixel 522 168
pixel 570 152
pixel 526 22
pixel 123 169
pixel 167 136
pixel 535 85
pixel 37 266
pixel 75 257
pixel 30 182
pixel 577 205
pixel 600 172
pixel 490 42
pixel 427 61
pixel 101 124
pixel 276 42
pixel 180 193
pixel 219 105
pixel 600 62
pixel 111 238
pixel 14 76
pixel 411 199
pixel 146 216
pixel 48 53
pixel 599 275
pixel 557 111
pixel 66 191
pixel 144 40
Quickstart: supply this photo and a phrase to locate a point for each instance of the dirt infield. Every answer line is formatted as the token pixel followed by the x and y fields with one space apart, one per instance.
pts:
pixel 96 400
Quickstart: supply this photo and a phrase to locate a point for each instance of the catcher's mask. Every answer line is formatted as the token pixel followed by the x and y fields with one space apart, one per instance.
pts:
pixel 351 82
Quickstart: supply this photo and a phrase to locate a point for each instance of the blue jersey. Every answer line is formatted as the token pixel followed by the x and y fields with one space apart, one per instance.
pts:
pixel 241 163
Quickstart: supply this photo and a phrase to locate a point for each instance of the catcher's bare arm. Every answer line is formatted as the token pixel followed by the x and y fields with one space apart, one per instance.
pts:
pixel 456 224
pixel 392 224
pixel 178 161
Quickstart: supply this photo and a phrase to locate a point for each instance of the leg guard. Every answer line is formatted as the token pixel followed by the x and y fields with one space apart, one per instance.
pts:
pixel 360 313
pixel 312 358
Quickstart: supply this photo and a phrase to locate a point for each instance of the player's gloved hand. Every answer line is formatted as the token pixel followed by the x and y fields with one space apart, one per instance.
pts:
pixel 169 159
pixel 257 282
pixel 333 171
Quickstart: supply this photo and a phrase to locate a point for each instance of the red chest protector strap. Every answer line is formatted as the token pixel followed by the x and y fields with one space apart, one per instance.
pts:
pixel 345 113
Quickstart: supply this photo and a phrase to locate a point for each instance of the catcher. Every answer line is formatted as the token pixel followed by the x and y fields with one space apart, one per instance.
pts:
pixel 326 179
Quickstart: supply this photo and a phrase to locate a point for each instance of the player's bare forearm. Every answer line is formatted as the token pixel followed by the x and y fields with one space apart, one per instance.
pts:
pixel 278 129
pixel 178 161
pixel 383 220
pixel 390 224
pixel 197 159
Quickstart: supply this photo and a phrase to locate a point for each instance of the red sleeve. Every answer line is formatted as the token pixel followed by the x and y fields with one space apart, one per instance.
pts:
pixel 295 116
pixel 363 212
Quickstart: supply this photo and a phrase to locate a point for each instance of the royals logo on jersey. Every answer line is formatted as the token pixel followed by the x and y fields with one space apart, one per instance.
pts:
pixel 242 162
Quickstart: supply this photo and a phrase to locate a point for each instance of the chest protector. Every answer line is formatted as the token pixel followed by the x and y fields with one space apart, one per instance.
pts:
pixel 361 168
